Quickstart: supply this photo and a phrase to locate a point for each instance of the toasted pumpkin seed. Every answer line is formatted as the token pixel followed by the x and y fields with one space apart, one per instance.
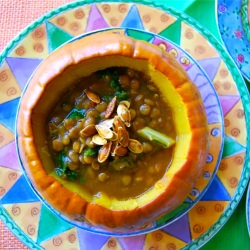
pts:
pixel 110 108
pixel 89 130
pixel 123 136
pixel 98 140
pixel 115 137
pixel 124 113
pixel 104 152
pixel 108 123
pixel 92 96
pixel 118 123
pixel 120 150
pixel 104 131
pixel 126 103
pixel 135 146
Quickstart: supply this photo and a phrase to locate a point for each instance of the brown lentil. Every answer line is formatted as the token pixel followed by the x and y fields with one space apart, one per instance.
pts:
pixel 57 145
pixel 145 109
pixel 73 156
pixel 103 177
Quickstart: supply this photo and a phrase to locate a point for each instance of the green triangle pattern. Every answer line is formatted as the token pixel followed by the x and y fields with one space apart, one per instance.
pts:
pixel 56 36
pixel 180 5
pixel 231 147
pixel 194 10
pixel 139 35
pixel 50 225
pixel 173 32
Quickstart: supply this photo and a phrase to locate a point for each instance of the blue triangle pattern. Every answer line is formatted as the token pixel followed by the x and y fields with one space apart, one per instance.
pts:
pixel 22 68
pixel 133 19
pixel 86 240
pixel 8 111
pixel 210 66
pixel 20 192
pixel 179 229
pixel 216 192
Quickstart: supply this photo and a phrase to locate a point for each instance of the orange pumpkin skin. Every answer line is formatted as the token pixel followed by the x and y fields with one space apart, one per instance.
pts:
pixel 90 54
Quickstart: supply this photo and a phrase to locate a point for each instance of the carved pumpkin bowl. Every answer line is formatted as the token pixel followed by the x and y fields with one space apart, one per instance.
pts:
pixel 111 132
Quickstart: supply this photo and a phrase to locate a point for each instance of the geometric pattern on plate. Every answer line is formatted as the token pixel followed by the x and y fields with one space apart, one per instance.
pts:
pixel 20 190
pixel 26 216
pixel 6 136
pixel 65 240
pixel 46 232
pixel 22 68
pixel 113 14
pixel 179 229
pixel 230 171
pixel 33 45
pixel 216 192
pixel 95 20
pixel 56 36
pixel 224 82
pixel 162 240
pixel 9 88
pixel 154 20
pixel 112 243
pixel 74 21
pixel 8 116
pixel 234 122
pixel 212 160
pixel 8 179
pixel 211 210
pixel 210 65
pixel 86 241
pixel 173 32
pixel 196 44
pixel 8 156
pixel 133 19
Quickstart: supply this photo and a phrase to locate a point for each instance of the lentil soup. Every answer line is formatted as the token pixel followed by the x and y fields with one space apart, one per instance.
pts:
pixel 112 133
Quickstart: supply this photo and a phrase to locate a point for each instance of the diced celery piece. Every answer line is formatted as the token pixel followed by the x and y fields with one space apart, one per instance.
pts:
pixel 155 136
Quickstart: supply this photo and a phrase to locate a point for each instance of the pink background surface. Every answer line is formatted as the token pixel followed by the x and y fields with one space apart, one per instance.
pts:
pixel 16 15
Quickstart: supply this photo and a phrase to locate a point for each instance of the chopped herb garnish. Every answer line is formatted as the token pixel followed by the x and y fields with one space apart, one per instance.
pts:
pixel 62 170
pixel 114 83
pixel 92 152
pixel 122 95
pixel 76 114
pixel 71 174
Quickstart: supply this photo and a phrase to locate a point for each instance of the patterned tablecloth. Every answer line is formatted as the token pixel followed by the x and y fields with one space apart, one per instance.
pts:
pixel 14 17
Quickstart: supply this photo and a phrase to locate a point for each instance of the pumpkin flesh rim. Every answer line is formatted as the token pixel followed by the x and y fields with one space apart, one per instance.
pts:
pixel 34 118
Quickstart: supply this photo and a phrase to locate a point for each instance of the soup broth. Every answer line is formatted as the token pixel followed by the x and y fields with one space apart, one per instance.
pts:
pixel 108 133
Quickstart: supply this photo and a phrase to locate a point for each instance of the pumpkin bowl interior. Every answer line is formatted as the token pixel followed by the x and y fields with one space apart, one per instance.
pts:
pixel 56 74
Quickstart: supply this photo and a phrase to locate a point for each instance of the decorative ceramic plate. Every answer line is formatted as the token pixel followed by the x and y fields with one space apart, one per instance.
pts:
pixel 21 209
pixel 234 26
pixel 248 209
pixel 215 123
